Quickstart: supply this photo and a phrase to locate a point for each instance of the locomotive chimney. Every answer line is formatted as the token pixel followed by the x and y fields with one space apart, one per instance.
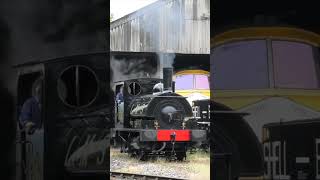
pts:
pixel 167 78
pixel 173 86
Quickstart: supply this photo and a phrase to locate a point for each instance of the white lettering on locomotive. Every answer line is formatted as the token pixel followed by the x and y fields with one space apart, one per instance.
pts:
pixel 275 164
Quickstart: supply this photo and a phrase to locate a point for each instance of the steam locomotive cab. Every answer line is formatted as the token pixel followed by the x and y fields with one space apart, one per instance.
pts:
pixel 130 90
pixel 150 119
pixel 74 117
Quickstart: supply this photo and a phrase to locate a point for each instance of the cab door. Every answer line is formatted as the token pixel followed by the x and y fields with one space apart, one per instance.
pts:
pixel 119 107
pixel 30 147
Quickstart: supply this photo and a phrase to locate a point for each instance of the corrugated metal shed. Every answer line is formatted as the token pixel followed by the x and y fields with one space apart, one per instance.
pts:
pixel 180 26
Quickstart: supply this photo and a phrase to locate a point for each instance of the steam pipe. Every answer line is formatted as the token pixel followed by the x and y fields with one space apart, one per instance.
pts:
pixel 167 78
pixel 173 86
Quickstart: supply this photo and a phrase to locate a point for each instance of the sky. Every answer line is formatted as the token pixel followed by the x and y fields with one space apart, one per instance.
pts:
pixel 120 8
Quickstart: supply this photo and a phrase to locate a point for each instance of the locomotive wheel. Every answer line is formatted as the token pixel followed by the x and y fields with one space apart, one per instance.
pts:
pixel 180 156
pixel 142 156
pixel 158 147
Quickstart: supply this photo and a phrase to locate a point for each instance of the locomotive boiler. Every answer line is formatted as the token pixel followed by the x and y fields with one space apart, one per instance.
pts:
pixel 153 120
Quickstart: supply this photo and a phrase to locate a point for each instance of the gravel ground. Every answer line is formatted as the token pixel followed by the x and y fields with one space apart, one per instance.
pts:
pixel 197 166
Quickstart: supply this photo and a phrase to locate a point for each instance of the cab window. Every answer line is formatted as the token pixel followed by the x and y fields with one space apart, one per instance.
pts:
pixel 294 65
pixel 240 65
pixel 184 82
pixel 201 82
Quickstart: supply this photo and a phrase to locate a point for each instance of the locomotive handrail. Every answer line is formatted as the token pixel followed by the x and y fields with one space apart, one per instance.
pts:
pixel 204 122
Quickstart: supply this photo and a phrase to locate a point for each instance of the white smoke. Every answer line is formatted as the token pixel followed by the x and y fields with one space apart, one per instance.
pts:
pixel 165 61
pixel 131 68
pixel 123 69
pixel 42 30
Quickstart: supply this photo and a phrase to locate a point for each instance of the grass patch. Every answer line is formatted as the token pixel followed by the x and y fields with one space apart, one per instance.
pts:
pixel 195 167
pixel 199 157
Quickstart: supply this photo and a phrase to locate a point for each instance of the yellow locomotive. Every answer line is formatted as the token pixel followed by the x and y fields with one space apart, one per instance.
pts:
pixel 272 75
pixel 193 84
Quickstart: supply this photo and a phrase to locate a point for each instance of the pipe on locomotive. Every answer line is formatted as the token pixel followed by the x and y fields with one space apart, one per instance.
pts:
pixel 168 85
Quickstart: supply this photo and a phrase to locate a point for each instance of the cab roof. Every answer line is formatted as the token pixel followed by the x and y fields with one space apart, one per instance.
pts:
pixel 36 62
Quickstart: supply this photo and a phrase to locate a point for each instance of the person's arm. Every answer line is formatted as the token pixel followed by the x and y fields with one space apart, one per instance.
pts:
pixel 118 98
pixel 25 117
pixel 121 97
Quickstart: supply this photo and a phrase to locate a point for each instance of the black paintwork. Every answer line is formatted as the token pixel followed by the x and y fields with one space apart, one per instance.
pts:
pixel 67 130
pixel 298 139
pixel 232 135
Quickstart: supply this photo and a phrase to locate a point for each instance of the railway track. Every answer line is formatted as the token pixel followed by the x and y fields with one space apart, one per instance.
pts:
pixel 119 175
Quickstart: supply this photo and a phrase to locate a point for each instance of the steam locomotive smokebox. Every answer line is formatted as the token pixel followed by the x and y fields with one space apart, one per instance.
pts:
pixel 167 78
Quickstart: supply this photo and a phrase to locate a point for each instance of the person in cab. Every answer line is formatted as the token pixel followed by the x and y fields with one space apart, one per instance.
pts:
pixel 30 116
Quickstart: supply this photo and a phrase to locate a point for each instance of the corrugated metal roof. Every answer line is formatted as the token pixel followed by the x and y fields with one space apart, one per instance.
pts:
pixel 179 26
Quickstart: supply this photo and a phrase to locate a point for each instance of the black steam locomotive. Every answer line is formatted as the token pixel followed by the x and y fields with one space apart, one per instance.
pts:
pixel 72 136
pixel 152 120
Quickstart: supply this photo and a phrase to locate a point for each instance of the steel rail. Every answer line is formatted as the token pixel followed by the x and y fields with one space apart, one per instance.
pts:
pixel 121 175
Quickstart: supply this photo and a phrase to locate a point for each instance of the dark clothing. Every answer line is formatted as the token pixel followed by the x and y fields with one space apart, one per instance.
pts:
pixel 119 97
pixel 30 112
